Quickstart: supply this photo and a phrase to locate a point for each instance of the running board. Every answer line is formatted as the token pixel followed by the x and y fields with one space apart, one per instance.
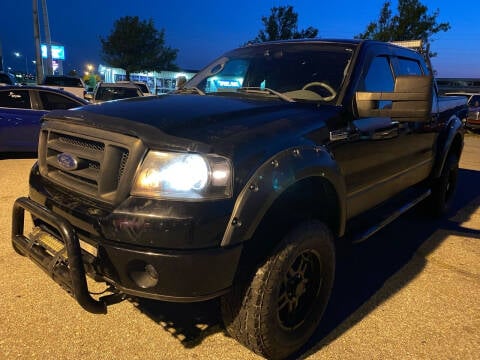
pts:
pixel 374 229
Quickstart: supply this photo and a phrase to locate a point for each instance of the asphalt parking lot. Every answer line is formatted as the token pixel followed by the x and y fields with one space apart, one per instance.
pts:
pixel 410 292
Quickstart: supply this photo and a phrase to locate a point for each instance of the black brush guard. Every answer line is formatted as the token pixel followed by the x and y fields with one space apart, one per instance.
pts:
pixel 69 276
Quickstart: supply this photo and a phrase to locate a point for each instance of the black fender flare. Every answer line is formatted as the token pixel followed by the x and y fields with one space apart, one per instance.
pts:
pixel 455 130
pixel 274 177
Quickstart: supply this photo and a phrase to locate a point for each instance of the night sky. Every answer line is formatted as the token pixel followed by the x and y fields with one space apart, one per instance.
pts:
pixel 203 30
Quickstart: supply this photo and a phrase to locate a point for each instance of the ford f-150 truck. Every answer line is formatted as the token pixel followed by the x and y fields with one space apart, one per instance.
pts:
pixel 240 184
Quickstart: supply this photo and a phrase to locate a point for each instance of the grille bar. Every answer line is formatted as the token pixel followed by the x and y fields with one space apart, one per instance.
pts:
pixel 102 163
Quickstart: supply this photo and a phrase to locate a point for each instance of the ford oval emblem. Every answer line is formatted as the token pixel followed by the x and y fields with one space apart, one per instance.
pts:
pixel 67 161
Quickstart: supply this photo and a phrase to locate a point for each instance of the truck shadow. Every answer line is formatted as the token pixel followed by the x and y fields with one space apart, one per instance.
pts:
pixel 364 269
pixel 189 323
pixel 18 155
pixel 362 272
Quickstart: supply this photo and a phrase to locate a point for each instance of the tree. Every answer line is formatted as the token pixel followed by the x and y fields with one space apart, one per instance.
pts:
pixel 411 23
pixel 282 25
pixel 135 45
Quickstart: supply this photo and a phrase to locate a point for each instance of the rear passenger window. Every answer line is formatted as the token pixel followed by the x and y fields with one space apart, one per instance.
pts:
pixel 19 99
pixel 53 101
pixel 405 66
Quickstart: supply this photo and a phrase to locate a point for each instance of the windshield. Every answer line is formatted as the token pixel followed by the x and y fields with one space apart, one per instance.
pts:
pixel 105 93
pixel 143 87
pixel 63 81
pixel 300 71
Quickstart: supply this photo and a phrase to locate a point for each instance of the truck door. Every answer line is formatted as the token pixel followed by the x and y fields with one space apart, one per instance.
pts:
pixel 376 159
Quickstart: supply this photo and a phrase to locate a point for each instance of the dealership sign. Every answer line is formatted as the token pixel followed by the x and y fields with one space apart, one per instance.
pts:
pixel 58 52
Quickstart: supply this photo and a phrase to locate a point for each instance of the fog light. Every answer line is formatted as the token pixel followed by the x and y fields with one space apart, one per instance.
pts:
pixel 146 277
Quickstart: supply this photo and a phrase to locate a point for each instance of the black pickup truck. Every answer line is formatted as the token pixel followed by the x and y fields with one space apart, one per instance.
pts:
pixel 240 184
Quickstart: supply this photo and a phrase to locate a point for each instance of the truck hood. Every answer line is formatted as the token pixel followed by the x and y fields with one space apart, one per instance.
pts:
pixel 207 120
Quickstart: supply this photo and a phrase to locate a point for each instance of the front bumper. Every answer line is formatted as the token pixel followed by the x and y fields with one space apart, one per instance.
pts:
pixel 473 124
pixel 171 275
pixel 473 120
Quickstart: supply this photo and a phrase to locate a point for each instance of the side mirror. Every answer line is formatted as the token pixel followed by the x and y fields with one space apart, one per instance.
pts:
pixel 411 100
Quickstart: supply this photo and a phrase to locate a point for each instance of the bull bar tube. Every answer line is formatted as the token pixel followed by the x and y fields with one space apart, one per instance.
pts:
pixel 72 276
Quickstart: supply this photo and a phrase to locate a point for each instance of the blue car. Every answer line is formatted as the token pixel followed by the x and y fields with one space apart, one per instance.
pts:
pixel 21 109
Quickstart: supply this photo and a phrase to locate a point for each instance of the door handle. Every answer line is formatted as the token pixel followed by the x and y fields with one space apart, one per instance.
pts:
pixel 386 133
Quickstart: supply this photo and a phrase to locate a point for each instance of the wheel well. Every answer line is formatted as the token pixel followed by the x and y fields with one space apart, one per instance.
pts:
pixel 310 198
pixel 456 147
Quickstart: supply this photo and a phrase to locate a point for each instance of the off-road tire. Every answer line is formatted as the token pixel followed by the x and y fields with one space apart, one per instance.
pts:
pixel 278 311
pixel 444 188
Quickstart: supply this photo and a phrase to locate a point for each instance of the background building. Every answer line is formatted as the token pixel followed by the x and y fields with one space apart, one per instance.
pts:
pixel 158 82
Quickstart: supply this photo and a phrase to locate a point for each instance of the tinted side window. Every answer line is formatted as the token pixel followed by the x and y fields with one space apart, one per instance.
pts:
pixel 116 93
pixel 143 87
pixel 474 101
pixel 404 66
pixel 19 99
pixel 63 81
pixel 52 101
pixel 379 78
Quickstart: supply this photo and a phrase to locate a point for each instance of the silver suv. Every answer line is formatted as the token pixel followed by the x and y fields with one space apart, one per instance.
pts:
pixel 141 84
pixel 114 91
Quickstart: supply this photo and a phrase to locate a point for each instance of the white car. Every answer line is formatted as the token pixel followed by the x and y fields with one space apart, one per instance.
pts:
pixel 473 101
pixel 70 84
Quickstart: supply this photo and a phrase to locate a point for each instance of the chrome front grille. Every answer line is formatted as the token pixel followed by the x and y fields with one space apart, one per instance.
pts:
pixel 105 162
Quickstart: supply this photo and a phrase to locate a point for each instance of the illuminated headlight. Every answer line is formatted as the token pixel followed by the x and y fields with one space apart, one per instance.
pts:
pixel 184 176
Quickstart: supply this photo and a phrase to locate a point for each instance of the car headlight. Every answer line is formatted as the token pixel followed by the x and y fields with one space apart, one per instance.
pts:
pixel 184 176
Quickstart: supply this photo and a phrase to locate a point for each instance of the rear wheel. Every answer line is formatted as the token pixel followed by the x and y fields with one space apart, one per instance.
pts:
pixel 444 188
pixel 282 306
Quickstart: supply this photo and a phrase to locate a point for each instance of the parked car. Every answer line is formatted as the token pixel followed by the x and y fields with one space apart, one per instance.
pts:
pixel 473 101
pixel 7 78
pixel 71 84
pixel 22 107
pixel 114 91
pixel 141 84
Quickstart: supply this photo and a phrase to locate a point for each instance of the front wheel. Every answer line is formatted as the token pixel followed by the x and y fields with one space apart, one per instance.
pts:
pixel 282 306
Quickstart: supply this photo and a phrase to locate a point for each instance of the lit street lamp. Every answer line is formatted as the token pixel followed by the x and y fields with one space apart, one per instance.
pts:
pixel 17 54
pixel 89 70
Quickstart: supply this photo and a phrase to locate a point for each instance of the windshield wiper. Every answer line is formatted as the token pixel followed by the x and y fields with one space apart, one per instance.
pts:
pixel 259 90
pixel 189 90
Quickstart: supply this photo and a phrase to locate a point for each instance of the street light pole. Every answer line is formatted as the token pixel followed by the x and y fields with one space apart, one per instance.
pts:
pixel 36 35
pixel 48 40
pixel 1 56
